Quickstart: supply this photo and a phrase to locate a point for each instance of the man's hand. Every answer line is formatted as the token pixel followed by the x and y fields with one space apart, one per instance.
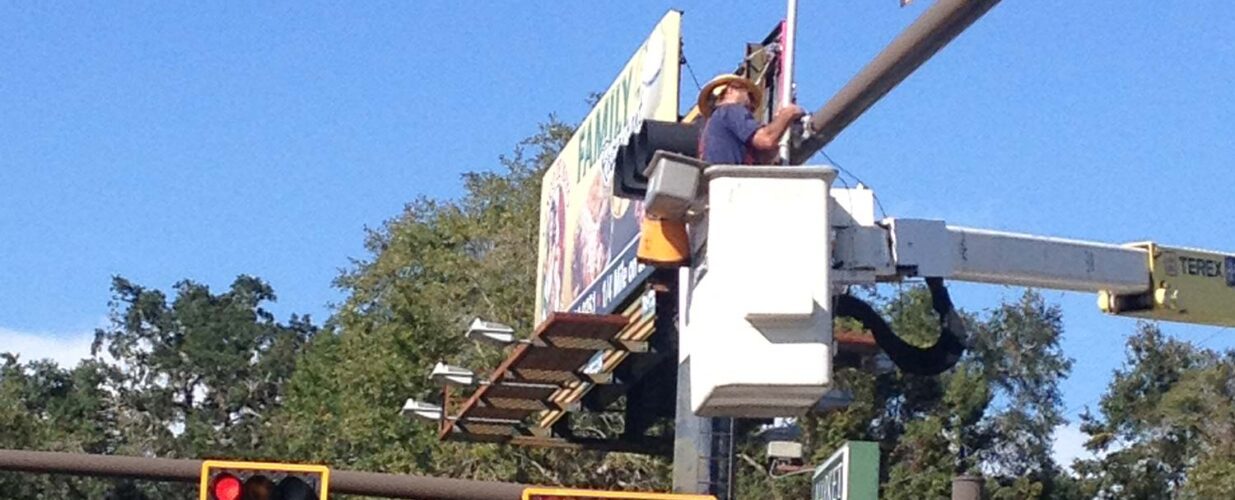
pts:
pixel 768 137
pixel 790 113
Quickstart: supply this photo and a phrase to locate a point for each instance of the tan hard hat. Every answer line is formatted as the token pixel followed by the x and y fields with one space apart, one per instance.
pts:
pixel 718 85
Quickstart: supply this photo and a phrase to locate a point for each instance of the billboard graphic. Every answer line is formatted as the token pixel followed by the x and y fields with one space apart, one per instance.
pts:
pixel 587 235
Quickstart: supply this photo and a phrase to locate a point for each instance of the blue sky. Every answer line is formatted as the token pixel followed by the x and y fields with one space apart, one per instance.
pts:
pixel 163 141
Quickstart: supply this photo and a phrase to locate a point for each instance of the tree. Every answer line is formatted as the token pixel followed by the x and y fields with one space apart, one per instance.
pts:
pixel 1022 360
pixel 1166 423
pixel 1203 403
pixel 428 273
pixel 46 407
pixel 198 376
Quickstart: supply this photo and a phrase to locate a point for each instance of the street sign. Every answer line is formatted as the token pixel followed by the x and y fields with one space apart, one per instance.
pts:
pixel 852 473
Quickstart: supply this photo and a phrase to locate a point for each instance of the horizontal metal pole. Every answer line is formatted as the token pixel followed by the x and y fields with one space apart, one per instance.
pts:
pixel 83 464
pixel 1037 261
pixel 189 471
pixel 938 26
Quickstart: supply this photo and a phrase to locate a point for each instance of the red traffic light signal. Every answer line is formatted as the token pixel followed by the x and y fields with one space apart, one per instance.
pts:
pixel 225 487
pixel 222 480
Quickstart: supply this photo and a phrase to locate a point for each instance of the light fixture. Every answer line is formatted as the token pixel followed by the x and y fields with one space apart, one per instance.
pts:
pixel 421 410
pixel 788 450
pixel 493 333
pixel 444 374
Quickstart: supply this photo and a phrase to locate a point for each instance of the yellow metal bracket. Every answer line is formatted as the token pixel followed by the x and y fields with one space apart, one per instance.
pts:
pixel 573 494
pixel 209 466
pixel 1187 285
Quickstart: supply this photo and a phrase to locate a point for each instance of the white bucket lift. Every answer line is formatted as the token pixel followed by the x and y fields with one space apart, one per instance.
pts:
pixel 759 327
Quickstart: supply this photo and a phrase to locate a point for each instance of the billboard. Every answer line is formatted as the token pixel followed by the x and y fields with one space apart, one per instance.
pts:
pixel 588 237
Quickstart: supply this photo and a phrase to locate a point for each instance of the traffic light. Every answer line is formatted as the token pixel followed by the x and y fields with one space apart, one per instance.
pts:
pixel 222 480
pixel 633 157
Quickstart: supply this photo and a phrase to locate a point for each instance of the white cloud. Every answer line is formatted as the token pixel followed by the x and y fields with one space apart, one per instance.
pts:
pixel 65 349
pixel 1069 445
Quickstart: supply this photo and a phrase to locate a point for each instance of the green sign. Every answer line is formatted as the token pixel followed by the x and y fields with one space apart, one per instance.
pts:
pixel 852 473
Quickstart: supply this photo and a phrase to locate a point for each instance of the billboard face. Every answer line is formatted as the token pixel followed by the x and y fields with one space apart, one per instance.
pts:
pixel 587 235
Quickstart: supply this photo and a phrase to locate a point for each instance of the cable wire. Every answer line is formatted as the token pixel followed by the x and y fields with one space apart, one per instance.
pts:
pixel 691 71
pixel 846 171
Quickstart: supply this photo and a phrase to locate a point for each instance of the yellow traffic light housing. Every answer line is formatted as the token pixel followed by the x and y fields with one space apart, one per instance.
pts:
pixel 573 494
pixel 225 480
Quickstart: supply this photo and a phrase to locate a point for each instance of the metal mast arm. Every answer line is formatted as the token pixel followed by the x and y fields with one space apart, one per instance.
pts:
pixel 1145 280
pixel 908 51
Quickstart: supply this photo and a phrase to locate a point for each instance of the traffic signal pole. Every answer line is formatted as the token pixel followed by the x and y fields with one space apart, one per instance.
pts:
pixel 786 73
pixel 84 464
pixel 938 26
pixel 189 471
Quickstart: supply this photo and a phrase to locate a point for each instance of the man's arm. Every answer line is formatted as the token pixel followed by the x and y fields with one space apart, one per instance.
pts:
pixel 768 136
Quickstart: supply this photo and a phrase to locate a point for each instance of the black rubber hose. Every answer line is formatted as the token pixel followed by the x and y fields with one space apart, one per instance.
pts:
pixel 933 360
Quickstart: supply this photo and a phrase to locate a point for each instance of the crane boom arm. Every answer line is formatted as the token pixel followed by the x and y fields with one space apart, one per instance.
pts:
pixel 1145 279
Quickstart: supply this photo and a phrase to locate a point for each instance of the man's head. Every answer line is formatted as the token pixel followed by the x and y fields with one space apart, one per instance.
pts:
pixel 729 89
pixel 735 94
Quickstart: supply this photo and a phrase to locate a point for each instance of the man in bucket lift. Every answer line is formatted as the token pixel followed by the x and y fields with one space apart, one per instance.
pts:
pixel 731 135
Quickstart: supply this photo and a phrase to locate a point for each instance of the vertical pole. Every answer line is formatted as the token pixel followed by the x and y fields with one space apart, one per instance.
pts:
pixel 722 458
pixel 786 82
pixel 967 487
pixel 692 441
pixel 441 421
pixel 692 434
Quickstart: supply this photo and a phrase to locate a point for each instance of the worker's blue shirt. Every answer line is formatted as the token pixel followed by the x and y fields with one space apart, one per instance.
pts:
pixel 727 135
